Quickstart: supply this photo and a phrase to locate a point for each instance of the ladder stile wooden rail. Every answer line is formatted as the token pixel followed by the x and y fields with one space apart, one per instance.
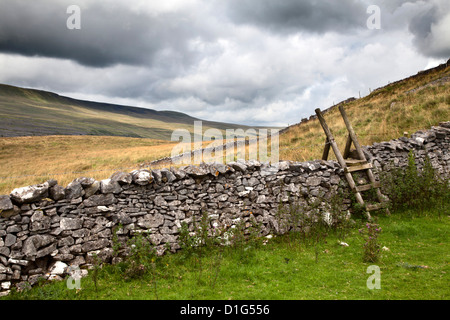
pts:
pixel 352 165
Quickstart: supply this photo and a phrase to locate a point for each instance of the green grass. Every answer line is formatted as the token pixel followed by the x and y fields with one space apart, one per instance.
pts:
pixel 416 266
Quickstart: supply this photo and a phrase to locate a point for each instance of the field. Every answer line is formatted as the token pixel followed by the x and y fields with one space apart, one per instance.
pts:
pixel 30 160
pixel 413 267
pixel 387 113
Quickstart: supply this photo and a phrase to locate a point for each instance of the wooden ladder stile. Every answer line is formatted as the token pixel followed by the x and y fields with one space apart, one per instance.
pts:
pixel 352 165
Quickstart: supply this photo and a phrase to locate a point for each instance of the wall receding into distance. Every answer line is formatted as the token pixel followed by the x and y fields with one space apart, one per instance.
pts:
pixel 46 228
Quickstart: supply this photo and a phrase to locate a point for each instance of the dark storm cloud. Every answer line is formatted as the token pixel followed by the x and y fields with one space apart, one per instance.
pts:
pixel 431 30
pixel 116 34
pixel 427 21
pixel 109 34
pixel 420 24
pixel 300 15
pixel 244 61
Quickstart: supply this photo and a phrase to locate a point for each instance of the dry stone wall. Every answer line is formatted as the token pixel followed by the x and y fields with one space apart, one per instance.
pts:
pixel 46 228
pixel 433 143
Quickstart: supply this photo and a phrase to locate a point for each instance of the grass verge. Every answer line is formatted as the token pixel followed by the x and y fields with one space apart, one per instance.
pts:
pixel 415 267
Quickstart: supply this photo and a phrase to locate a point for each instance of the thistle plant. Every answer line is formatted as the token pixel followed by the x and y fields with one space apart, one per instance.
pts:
pixel 370 234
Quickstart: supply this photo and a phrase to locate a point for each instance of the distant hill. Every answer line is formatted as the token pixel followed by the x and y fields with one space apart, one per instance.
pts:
pixel 30 112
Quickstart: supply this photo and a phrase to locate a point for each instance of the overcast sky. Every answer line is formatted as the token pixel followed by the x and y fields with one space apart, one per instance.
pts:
pixel 253 62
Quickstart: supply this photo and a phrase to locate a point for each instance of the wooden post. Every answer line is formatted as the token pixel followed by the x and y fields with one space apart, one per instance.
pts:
pixel 326 150
pixel 339 157
pixel 348 145
pixel 359 150
pixel 352 134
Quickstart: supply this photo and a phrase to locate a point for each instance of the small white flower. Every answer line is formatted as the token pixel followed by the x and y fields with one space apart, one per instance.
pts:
pixel 344 244
pixel 269 236
pixel 385 249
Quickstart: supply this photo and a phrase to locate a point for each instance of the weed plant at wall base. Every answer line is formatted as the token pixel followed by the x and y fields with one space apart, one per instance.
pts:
pixel 419 188
pixel 371 246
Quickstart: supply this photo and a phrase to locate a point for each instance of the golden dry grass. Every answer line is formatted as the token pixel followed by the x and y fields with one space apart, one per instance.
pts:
pixel 30 160
pixel 383 115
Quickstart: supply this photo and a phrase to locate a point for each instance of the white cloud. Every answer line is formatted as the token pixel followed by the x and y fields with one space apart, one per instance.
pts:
pixel 196 57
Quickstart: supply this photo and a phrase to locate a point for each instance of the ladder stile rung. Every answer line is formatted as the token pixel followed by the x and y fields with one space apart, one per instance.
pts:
pixel 376 206
pixel 358 168
pixel 368 186
pixel 354 162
